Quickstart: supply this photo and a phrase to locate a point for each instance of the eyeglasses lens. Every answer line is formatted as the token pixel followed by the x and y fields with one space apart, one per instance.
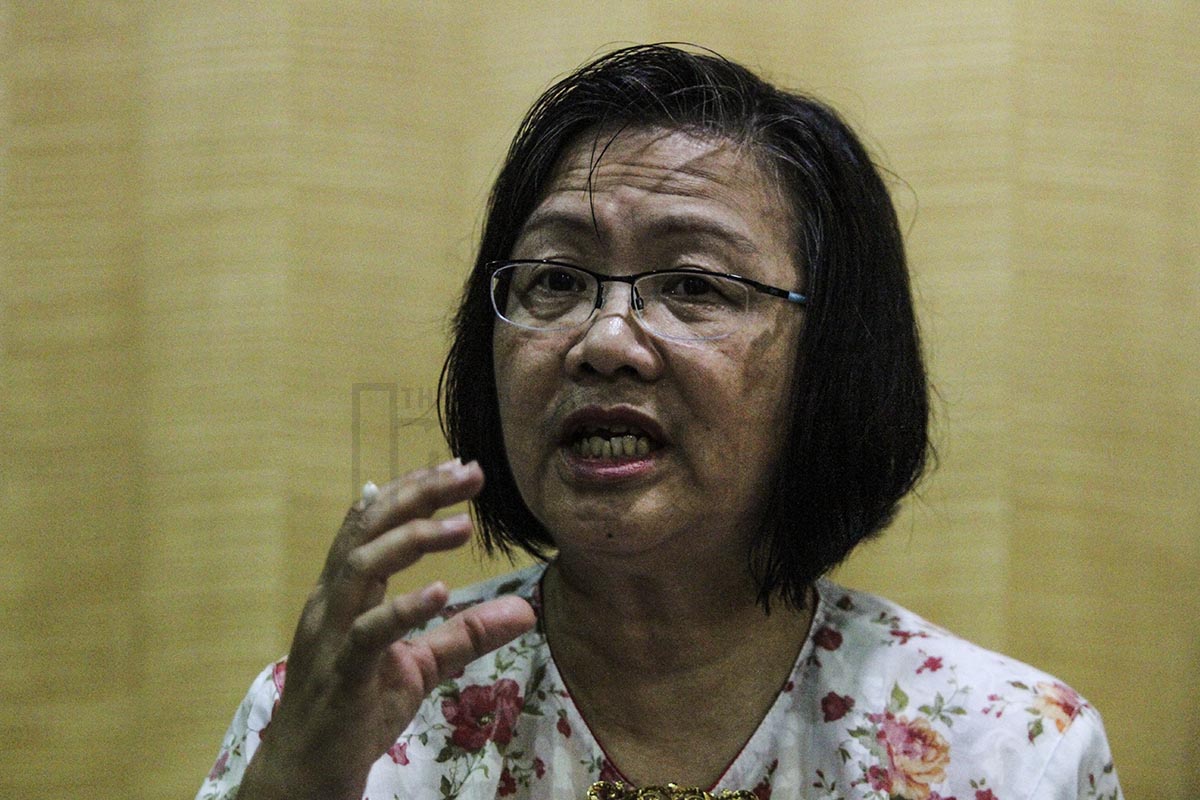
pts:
pixel 676 305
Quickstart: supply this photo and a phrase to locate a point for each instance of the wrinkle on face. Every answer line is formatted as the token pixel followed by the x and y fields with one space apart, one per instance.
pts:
pixel 658 199
pixel 692 174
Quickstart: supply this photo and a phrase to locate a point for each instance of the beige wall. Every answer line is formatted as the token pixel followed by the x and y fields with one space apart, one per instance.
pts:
pixel 222 217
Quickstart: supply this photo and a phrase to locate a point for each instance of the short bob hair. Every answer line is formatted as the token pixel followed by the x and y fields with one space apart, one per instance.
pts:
pixel 857 438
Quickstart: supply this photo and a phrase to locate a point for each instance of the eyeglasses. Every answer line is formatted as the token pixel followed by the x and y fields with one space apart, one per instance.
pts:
pixel 680 304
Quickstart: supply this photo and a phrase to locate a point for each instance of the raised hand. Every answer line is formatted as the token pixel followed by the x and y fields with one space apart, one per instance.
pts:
pixel 353 683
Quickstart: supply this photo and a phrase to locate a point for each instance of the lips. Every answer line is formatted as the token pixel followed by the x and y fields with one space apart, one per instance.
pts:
pixel 611 434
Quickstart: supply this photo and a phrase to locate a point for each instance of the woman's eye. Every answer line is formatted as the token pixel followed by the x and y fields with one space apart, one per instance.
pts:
pixel 557 280
pixel 688 286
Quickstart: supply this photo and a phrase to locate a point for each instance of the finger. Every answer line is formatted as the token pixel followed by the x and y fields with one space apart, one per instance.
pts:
pixel 401 547
pixel 352 529
pixel 471 634
pixel 418 494
pixel 384 624
pixel 363 579
pixel 402 500
pixel 370 493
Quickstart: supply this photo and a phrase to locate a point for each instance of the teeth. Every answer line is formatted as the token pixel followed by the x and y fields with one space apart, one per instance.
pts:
pixel 619 443
pixel 610 430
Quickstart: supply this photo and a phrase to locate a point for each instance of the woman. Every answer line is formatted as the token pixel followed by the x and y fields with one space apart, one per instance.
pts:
pixel 687 363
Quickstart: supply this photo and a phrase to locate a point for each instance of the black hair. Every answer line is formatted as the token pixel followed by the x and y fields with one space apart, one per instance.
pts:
pixel 857 440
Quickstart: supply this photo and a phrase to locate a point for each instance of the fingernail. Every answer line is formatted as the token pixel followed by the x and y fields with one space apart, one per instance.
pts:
pixel 370 493
pixel 456 523
pixel 432 594
pixel 449 466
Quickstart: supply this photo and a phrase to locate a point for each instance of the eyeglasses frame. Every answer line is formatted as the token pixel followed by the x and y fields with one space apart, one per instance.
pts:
pixel 635 299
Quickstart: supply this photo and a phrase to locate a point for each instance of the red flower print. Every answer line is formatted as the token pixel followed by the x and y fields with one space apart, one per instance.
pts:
pixel 221 767
pixel 984 794
pixel 787 687
pixel 564 727
pixel 835 706
pixel 539 767
pixel 933 664
pixel 508 784
pixel 399 753
pixel 609 773
pixel 484 712
pixel 279 674
pixel 904 636
pixel 827 638
pixel 1058 703
pixel 762 790
pixel 879 779
pixel 917 755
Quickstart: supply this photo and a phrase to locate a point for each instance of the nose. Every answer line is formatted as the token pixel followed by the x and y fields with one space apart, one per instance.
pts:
pixel 613 342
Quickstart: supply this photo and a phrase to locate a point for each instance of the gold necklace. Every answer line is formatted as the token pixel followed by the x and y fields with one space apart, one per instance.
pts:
pixel 615 790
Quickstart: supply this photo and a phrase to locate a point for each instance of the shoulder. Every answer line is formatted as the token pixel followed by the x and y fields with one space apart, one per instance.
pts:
pixel 887 639
pixel 895 684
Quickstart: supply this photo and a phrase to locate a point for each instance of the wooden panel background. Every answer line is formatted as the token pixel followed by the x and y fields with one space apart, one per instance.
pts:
pixel 228 227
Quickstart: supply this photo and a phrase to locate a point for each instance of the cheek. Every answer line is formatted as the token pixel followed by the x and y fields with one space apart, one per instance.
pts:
pixel 766 363
pixel 767 367
pixel 508 381
pixel 510 360
pixel 524 383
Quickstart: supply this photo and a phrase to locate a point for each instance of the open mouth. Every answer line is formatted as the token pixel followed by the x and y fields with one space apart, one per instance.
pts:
pixel 611 442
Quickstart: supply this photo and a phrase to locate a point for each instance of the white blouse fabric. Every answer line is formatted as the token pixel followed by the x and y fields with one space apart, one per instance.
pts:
pixel 880 705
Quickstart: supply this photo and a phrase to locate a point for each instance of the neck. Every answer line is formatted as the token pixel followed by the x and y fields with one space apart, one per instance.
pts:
pixel 635 650
pixel 663 616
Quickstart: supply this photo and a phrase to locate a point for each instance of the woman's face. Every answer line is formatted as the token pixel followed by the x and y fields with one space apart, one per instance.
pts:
pixel 704 419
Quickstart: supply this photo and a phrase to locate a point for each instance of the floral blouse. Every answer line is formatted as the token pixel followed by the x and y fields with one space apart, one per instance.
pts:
pixel 880 705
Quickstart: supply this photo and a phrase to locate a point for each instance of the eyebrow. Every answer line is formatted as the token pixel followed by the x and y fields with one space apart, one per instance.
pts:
pixel 572 223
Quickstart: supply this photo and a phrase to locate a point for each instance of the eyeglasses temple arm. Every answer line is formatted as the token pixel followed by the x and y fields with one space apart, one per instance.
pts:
pixel 774 291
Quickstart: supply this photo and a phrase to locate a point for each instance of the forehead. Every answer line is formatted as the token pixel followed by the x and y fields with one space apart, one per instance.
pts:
pixel 666 160
pixel 654 182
